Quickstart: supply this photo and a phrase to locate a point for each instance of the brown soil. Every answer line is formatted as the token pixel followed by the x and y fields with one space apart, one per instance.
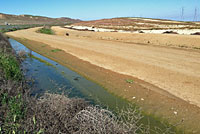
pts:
pixel 177 68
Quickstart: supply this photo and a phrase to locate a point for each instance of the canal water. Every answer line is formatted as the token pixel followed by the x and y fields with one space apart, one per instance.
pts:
pixel 49 76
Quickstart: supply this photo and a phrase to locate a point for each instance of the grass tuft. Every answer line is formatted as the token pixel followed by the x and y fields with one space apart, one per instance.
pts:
pixel 129 81
pixel 10 67
pixel 56 50
pixel 46 30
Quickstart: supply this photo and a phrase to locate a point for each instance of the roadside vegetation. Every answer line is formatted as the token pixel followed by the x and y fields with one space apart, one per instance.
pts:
pixel 12 106
pixel 46 30
pixel 5 29
pixel 21 113
pixel 10 67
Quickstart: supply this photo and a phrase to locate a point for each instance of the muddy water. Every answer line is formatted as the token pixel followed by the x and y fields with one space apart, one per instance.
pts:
pixel 49 76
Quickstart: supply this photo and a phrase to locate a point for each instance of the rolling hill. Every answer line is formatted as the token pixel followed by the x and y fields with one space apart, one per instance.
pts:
pixel 132 24
pixel 30 19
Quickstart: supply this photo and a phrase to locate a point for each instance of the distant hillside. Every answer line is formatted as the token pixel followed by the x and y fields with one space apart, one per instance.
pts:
pixel 30 19
pixel 130 23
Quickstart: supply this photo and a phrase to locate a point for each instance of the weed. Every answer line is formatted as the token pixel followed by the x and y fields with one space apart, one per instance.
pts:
pixel 10 67
pixel 46 31
pixel 56 50
pixel 43 45
pixel 129 81
pixel 41 60
pixel 15 112
pixel 196 47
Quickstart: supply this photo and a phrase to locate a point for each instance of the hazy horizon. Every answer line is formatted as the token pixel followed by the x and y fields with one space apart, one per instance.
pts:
pixel 183 10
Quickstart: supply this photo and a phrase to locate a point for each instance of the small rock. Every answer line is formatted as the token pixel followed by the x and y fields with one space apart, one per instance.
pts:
pixel 175 112
pixel 67 34
pixel 142 99
pixel 77 78
pixel 133 97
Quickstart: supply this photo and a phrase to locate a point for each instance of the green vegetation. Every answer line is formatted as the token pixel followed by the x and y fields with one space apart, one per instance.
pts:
pixel 56 50
pixel 12 106
pixel 41 60
pixel 15 28
pixel 44 45
pixel 3 30
pixel 46 30
pixel 15 109
pixel 129 81
pixel 10 67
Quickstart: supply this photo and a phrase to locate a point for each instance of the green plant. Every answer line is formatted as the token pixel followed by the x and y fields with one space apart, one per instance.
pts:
pixel 46 31
pixel 10 67
pixel 129 81
pixel 3 30
pixel 43 45
pixel 15 112
pixel 41 60
pixel 40 131
pixel 56 50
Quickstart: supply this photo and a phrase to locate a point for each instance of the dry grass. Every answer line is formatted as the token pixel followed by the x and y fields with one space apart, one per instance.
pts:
pixel 58 114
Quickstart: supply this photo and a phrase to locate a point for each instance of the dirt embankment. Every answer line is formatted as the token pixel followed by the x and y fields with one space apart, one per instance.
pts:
pixel 161 70
pixel 175 71
pixel 22 113
pixel 171 40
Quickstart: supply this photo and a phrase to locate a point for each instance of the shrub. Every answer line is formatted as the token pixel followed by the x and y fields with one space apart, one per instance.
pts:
pixel 46 30
pixel 197 33
pixel 170 32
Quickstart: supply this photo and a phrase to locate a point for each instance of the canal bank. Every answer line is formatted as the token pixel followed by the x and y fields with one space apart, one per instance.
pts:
pixel 163 106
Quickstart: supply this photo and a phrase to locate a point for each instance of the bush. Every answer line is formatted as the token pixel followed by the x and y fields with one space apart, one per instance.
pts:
pixel 197 33
pixel 58 114
pixel 170 32
pixel 46 30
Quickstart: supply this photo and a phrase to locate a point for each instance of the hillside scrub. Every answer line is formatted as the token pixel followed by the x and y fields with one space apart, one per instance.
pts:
pixel 17 27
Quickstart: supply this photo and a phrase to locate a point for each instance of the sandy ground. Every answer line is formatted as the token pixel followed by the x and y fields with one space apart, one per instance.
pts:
pixel 178 31
pixel 167 29
pixel 179 41
pixel 176 71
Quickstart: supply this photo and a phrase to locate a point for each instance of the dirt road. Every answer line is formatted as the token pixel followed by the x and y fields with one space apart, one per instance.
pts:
pixel 176 71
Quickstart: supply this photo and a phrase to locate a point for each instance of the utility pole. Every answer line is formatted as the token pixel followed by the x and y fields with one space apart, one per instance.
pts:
pixel 182 13
pixel 195 14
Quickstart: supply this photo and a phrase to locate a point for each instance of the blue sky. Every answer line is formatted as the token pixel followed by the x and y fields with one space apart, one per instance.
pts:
pixel 97 9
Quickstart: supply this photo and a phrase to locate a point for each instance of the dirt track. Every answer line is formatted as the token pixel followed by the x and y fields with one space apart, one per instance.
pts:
pixel 176 71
